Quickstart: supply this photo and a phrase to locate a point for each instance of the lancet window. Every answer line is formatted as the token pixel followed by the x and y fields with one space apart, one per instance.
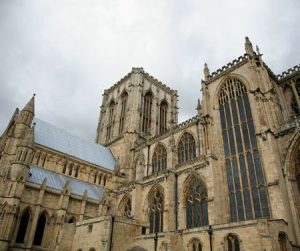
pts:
pixel 123 111
pixel 246 183
pixel 196 205
pixel 110 124
pixel 233 243
pixel 186 148
pixel 40 228
pixel 195 245
pixel 163 117
pixel 159 159
pixel 156 212
pixel 146 116
pixel 23 226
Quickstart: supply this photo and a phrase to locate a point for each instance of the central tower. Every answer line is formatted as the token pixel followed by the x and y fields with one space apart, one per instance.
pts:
pixel 135 108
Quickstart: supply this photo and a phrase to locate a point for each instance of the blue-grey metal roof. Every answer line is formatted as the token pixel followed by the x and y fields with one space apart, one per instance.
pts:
pixel 58 181
pixel 55 138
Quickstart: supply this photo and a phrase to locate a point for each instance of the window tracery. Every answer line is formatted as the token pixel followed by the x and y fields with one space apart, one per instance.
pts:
pixel 156 208
pixel 163 117
pixel 186 148
pixel 123 111
pixel 195 245
pixel 246 184
pixel 196 205
pixel 159 159
pixel 146 116
pixel 233 243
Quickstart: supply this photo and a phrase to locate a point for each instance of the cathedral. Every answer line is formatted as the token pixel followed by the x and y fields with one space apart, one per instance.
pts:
pixel 227 179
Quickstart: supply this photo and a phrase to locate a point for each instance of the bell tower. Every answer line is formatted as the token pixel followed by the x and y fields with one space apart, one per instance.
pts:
pixel 134 109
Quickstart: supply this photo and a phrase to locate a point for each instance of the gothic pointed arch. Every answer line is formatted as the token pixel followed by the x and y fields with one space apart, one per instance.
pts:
pixel 248 198
pixel 232 242
pixel 124 101
pixel 110 124
pixel 195 202
pixel 40 229
pixel 282 241
pixel 195 245
pixel 147 112
pixel 156 208
pixel 186 147
pixel 159 158
pixel 163 116
pixel 125 206
pixel 23 225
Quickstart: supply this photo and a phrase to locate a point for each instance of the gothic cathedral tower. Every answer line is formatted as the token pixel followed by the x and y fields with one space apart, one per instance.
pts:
pixel 133 110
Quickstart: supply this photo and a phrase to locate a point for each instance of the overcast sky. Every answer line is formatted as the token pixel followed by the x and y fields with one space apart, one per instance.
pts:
pixel 68 52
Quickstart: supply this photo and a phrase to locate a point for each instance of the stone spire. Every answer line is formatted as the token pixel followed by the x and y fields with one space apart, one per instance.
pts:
pixel 249 47
pixel 206 71
pixel 29 107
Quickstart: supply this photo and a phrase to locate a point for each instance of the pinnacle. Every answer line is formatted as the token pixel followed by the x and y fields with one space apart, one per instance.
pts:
pixel 30 105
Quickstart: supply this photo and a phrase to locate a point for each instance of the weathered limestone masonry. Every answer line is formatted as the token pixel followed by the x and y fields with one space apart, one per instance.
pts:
pixel 226 179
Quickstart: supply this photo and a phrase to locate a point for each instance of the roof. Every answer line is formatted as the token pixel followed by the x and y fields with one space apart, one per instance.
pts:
pixel 57 139
pixel 58 182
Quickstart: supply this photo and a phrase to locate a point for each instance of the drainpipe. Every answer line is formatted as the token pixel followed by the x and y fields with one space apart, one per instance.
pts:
pixel 176 201
pixel 155 242
pixel 111 233
pixel 210 232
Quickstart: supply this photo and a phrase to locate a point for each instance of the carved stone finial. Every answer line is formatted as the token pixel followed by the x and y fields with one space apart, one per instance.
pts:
pixel 249 47
pixel 206 71
pixel 257 50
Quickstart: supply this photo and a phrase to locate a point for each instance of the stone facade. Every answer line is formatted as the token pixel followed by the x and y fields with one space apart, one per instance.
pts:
pixel 226 179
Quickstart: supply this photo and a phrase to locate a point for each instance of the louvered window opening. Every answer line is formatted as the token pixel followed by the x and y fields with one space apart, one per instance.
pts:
pixel 123 111
pixel 186 148
pixel 163 117
pixel 110 121
pixel 248 197
pixel 146 124
pixel 196 205
pixel 156 212
pixel 159 159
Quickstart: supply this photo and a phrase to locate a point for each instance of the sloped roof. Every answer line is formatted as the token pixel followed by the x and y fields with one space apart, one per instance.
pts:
pixel 58 181
pixel 57 139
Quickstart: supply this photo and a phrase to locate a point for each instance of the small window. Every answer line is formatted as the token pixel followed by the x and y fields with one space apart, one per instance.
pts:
pixel 282 239
pixel 90 228
pixel 233 243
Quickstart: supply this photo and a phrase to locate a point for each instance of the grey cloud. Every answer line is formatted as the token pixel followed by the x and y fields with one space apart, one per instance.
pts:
pixel 68 52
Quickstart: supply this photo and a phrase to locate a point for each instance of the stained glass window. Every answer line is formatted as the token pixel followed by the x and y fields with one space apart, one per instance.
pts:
pixel 186 148
pixel 163 117
pixel 196 205
pixel 123 111
pixel 23 226
pixel 156 212
pixel 146 124
pixel 40 228
pixel 159 159
pixel 248 197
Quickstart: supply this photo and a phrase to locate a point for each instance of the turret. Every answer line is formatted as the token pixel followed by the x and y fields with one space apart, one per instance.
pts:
pixel 25 118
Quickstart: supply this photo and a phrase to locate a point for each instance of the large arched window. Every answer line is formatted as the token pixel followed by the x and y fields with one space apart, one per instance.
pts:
pixel 246 184
pixel 233 243
pixel 186 148
pixel 146 120
pixel 39 231
pixel 23 226
pixel 124 99
pixel 156 208
pixel 163 111
pixel 159 159
pixel 196 205
pixel 110 124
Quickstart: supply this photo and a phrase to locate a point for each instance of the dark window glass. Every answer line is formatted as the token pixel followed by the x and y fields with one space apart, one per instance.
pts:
pixel 163 117
pixel 23 226
pixel 246 183
pixel 146 122
pixel 110 124
pixel 39 232
pixel 186 148
pixel 196 205
pixel 124 99
pixel 233 243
